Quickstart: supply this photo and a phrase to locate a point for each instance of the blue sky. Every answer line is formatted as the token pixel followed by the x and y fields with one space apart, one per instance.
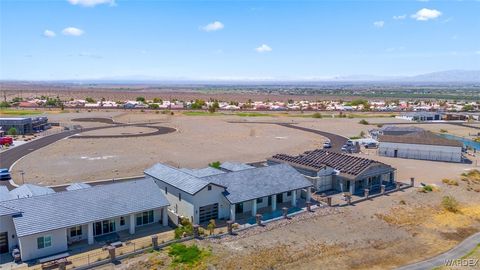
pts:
pixel 89 39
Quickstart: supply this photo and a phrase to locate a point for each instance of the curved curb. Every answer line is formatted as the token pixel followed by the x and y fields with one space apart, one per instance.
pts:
pixel 455 253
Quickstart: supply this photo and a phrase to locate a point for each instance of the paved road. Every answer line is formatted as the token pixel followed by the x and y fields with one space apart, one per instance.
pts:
pixel 336 140
pixel 455 253
pixel 9 157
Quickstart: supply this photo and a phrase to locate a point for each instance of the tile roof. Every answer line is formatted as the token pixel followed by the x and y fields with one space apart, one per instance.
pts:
pixel 424 137
pixel 318 159
pixel 4 193
pixel 177 178
pixel 6 211
pixel 76 186
pixel 29 190
pixel 235 166
pixel 71 208
pixel 202 172
pixel 259 182
pixel 400 128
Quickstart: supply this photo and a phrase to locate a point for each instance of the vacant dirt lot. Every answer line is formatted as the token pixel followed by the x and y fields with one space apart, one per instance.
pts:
pixel 198 141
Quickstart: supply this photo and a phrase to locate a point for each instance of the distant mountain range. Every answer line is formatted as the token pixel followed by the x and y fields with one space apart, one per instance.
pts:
pixel 440 76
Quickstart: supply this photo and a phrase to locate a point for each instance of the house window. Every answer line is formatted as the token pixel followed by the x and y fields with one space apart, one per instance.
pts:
pixel 144 218
pixel 76 231
pixel 209 187
pixel 289 193
pixel 259 200
pixel 179 196
pixel 166 190
pixel 122 221
pixel 104 227
pixel 44 242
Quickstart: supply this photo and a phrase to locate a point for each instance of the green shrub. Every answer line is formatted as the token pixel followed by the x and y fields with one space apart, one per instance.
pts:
pixel 185 254
pixel 215 164
pixel 450 204
pixel 317 115
pixel 363 122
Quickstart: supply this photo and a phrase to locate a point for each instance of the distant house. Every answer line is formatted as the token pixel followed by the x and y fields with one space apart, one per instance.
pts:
pixel 25 125
pixel 204 194
pixel 340 172
pixel 420 145
pixel 394 130
pixel 420 116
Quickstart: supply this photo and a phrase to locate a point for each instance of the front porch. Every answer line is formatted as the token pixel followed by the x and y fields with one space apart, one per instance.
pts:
pixel 270 207
pixel 123 236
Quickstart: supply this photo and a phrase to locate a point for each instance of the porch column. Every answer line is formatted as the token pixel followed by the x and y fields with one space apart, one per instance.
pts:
pixel 294 198
pixel 274 202
pixel 164 216
pixel 232 212
pixel 132 224
pixel 352 187
pixel 309 194
pixel 254 207
pixel 90 233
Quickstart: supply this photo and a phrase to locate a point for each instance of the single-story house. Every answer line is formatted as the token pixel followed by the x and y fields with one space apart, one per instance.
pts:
pixel 420 116
pixel 337 171
pixel 25 125
pixel 204 194
pixel 49 224
pixel 398 130
pixel 421 145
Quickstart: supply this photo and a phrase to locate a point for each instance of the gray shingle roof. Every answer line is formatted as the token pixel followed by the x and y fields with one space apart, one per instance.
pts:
pixel 77 186
pixel 202 172
pixel 234 166
pixel 71 208
pixel 259 182
pixel 177 178
pixel 29 190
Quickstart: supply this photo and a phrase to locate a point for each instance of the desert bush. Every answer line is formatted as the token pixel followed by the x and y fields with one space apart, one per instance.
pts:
pixel 363 122
pixel 450 204
pixel 450 182
pixel 317 115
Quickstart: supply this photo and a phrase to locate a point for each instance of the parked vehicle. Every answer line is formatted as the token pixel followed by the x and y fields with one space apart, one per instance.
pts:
pixel 371 145
pixel 349 143
pixel 6 140
pixel 327 145
pixel 5 174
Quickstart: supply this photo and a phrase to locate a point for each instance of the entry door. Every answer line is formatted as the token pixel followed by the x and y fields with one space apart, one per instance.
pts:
pixel 269 200
pixel 395 153
pixel 239 208
pixel 280 198
pixel 3 242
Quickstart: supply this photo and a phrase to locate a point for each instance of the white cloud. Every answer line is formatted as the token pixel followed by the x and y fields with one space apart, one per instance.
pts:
pixel 477 52
pixel 426 14
pixel 91 3
pixel 49 33
pixel 72 31
pixel 379 24
pixel 263 48
pixel 214 26
pixel 400 17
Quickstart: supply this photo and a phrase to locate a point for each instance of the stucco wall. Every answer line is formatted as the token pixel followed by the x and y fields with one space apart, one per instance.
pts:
pixel 420 151
pixel 6 225
pixel 30 251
